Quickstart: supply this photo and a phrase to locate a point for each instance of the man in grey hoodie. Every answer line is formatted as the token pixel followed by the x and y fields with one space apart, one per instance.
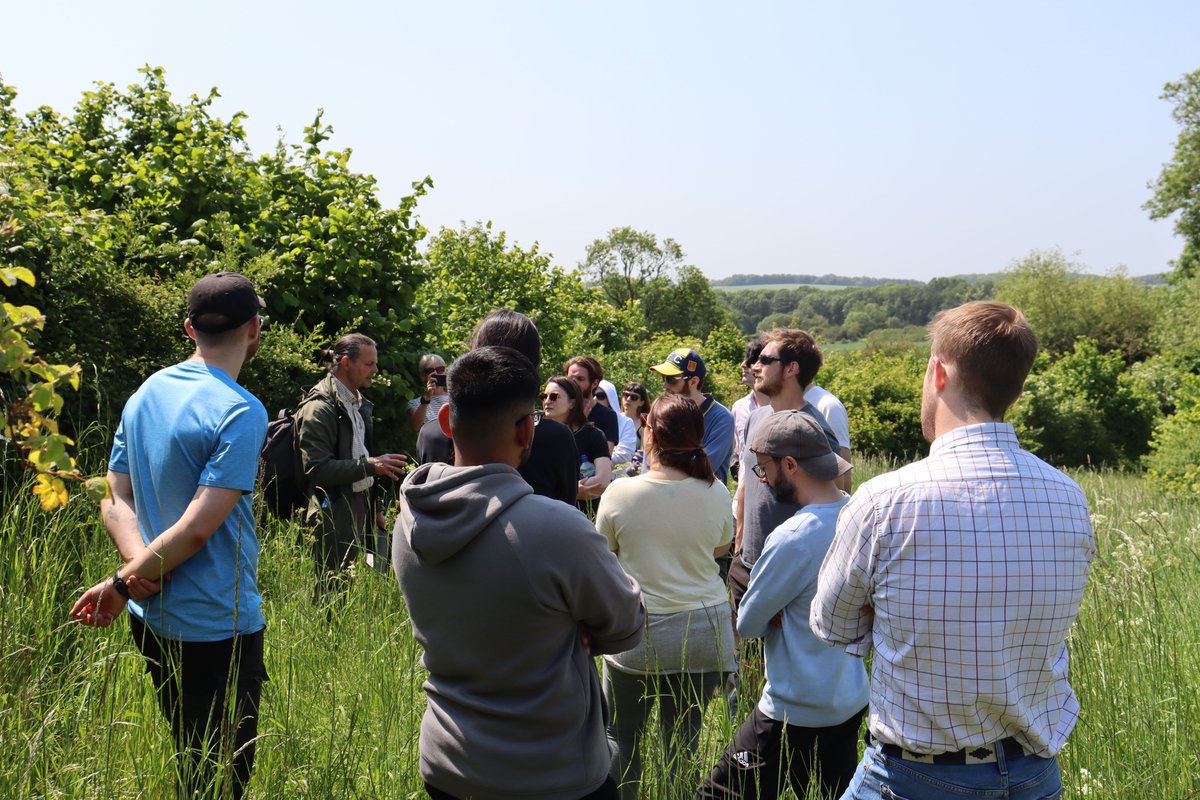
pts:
pixel 510 594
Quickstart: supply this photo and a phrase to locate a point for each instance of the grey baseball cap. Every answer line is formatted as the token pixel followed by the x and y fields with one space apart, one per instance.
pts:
pixel 796 434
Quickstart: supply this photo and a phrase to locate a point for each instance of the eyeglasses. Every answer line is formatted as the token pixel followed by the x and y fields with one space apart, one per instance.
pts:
pixel 759 471
pixel 438 370
pixel 551 397
pixel 674 378
pixel 767 360
pixel 538 416
pixel 631 396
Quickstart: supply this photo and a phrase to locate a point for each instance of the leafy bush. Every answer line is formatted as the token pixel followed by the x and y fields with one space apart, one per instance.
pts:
pixel 1063 303
pixel 1083 408
pixel 1173 463
pixel 882 394
pixel 121 206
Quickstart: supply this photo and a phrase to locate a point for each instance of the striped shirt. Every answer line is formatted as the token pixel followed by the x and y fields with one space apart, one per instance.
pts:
pixel 973 562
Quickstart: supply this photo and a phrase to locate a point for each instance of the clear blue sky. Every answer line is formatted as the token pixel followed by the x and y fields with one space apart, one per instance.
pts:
pixel 905 140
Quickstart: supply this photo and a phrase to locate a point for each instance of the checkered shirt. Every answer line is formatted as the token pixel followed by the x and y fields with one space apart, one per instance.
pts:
pixel 973 562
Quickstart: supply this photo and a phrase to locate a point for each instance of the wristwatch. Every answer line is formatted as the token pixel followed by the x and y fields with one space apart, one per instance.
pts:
pixel 119 584
pixel 424 401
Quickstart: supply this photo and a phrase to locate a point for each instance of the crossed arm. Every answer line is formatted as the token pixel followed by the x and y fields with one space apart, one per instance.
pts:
pixel 145 566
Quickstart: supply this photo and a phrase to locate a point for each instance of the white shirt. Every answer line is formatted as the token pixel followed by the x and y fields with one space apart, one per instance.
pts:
pixel 974 561
pixel 834 412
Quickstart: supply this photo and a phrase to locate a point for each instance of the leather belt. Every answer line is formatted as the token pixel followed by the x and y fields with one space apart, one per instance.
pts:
pixel 971 755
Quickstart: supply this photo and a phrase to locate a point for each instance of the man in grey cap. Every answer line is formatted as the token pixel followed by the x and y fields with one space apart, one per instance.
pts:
pixel 805 726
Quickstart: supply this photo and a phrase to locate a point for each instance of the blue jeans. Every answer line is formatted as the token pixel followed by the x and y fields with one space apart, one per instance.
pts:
pixel 881 777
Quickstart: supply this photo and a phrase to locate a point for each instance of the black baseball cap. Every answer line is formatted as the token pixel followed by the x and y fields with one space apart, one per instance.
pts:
pixel 222 301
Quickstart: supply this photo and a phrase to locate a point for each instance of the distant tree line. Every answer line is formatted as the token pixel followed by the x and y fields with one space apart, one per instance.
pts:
pixel 823 280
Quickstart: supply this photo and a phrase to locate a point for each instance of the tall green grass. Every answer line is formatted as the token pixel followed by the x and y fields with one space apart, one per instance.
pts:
pixel 341 714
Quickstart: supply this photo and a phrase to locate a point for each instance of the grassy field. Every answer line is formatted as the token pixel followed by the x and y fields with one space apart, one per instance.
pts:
pixel 341 714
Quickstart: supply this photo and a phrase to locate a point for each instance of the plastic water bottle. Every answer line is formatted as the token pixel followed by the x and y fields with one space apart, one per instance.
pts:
pixel 586 468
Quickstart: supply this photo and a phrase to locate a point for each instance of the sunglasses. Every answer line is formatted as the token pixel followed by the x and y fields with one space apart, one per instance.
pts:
pixel 438 370
pixel 673 378
pixel 766 360
pixel 538 416
pixel 631 396
pixel 551 397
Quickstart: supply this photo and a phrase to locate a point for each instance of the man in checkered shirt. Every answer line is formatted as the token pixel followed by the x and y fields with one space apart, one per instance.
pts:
pixel 964 572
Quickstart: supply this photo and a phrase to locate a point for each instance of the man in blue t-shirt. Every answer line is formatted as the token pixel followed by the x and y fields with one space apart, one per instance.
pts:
pixel 183 464
pixel 805 725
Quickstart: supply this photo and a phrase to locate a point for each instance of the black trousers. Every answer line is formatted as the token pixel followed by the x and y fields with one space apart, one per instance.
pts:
pixel 209 692
pixel 607 791
pixel 765 753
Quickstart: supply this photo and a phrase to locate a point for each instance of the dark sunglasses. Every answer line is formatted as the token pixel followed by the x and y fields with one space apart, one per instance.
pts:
pixel 551 397
pixel 631 396
pixel 538 416
pixel 766 360
pixel 438 370
pixel 673 378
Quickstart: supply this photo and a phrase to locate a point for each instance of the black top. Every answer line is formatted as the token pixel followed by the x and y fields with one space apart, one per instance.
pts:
pixel 552 468
pixel 606 420
pixel 433 445
pixel 591 443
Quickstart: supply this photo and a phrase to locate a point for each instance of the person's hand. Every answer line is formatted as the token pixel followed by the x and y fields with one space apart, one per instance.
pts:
pixel 777 620
pixel 380 521
pixel 431 385
pixel 390 465
pixel 99 605
pixel 142 588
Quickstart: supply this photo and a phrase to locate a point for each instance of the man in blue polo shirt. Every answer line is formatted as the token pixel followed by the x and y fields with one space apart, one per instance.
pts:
pixel 683 373
pixel 183 464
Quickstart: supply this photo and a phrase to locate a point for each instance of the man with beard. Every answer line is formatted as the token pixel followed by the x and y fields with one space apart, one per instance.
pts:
pixel 964 572
pixel 806 723
pixel 183 464
pixel 587 374
pixel 511 595
pixel 784 369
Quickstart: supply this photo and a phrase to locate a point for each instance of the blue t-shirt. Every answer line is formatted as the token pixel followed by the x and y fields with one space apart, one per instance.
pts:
pixel 187 426
pixel 718 437
pixel 808 683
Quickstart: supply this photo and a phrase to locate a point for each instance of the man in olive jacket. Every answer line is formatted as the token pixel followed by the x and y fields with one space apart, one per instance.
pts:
pixel 334 436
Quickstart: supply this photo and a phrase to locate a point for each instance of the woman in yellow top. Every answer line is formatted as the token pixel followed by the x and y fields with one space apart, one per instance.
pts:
pixel 666 526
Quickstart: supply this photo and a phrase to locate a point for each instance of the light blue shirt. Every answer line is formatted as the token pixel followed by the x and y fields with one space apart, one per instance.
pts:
pixel 187 426
pixel 808 683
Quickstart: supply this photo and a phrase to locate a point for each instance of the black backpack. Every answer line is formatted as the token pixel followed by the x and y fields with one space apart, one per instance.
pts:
pixel 284 489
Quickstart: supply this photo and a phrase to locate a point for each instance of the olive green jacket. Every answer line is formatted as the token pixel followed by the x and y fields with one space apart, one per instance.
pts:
pixel 323 437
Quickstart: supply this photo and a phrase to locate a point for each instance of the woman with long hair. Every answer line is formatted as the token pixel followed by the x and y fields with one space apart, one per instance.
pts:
pixel 666 526
pixel 635 404
pixel 563 402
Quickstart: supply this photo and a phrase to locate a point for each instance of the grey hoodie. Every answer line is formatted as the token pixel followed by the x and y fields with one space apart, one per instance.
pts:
pixel 499 582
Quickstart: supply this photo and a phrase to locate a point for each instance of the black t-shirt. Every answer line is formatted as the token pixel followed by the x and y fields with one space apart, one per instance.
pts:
pixel 606 420
pixel 591 443
pixel 552 468
pixel 433 445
